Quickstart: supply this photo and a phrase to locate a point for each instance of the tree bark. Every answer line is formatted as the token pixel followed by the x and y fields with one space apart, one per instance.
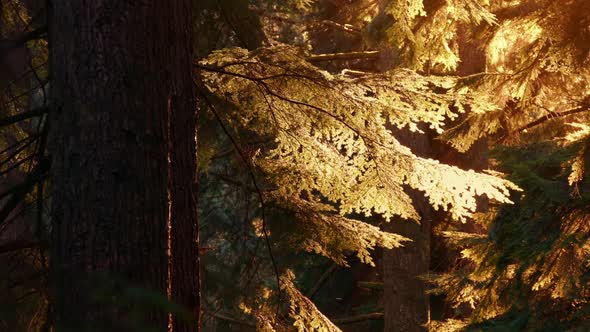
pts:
pixel 122 97
pixel 185 282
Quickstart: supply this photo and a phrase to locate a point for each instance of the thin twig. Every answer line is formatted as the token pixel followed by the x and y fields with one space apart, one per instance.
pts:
pixel 322 280
pixel 343 56
pixel 258 191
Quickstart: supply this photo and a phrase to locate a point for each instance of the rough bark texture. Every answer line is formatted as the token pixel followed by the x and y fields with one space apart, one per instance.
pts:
pixel 406 304
pixel 185 276
pixel 121 81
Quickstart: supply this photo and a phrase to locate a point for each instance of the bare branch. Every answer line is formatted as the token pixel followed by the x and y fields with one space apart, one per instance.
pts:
pixel 343 56
pixel 258 191
pixel 322 280
pixel 553 115
pixel 23 116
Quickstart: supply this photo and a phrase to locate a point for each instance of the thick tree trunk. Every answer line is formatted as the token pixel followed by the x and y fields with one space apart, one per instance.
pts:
pixel 122 97
pixel 184 245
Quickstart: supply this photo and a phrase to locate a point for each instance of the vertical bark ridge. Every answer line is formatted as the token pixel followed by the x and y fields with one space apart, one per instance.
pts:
pixel 114 65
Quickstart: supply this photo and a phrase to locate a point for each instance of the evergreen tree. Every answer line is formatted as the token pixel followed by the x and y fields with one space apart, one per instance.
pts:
pixel 330 132
pixel 328 145
pixel 527 272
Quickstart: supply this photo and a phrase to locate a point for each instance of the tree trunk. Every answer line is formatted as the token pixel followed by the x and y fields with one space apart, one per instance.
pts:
pixel 122 97
pixel 406 304
pixel 184 265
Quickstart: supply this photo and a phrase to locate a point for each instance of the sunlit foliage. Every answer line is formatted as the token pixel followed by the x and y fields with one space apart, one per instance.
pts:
pixel 332 135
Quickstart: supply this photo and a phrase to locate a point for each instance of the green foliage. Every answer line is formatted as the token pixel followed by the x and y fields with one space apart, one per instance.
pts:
pixel 322 146
pixel 332 135
pixel 323 231
pixel 426 37
pixel 534 260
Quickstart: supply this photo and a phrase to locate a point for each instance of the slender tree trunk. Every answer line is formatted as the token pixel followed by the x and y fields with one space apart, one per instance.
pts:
pixel 473 60
pixel 406 304
pixel 122 96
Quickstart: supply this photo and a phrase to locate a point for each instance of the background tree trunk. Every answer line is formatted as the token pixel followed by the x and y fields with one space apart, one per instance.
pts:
pixel 406 304
pixel 121 90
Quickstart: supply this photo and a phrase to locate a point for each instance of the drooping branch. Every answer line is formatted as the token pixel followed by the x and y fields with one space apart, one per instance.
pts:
pixel 260 81
pixel 340 321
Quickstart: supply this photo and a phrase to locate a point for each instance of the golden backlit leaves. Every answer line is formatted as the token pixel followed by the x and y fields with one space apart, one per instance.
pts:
pixel 334 155
pixel 578 164
pixel 428 40
pixel 508 49
pixel 323 231
pixel 306 316
pixel 333 140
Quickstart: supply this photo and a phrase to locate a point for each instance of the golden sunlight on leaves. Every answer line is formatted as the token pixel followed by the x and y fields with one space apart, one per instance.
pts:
pixel 502 53
pixel 305 314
